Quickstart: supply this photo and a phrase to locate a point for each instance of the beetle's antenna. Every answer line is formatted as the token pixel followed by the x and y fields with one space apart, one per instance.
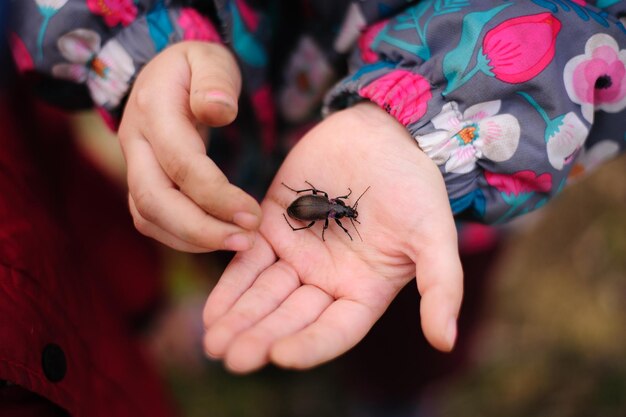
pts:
pixel 357 200
pixel 354 225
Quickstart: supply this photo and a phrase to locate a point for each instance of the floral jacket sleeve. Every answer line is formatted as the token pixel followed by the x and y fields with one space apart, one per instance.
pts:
pixel 509 98
pixel 99 43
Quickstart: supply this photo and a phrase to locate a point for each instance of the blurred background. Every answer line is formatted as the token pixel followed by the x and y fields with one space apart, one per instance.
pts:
pixel 542 332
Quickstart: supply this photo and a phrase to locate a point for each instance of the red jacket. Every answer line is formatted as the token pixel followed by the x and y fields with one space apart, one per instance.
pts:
pixel 75 277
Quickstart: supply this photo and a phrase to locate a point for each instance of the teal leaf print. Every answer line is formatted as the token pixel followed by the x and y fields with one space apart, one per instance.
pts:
pixel 606 3
pixel 47 8
pixel 474 200
pixel 370 68
pixel 515 201
pixel 564 135
pixel 582 12
pixel 455 62
pixel 418 18
pixel 245 44
pixel 159 26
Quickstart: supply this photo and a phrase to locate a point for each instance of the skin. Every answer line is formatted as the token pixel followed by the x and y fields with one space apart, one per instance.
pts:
pixel 177 195
pixel 288 297
pixel 297 301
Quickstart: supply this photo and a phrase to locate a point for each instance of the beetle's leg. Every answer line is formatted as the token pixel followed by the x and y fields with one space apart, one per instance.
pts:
pixel 315 190
pixel 298 191
pixel 324 229
pixel 347 195
pixel 297 228
pixel 344 229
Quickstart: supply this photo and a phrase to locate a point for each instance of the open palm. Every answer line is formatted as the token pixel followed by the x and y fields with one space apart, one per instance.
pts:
pixel 297 300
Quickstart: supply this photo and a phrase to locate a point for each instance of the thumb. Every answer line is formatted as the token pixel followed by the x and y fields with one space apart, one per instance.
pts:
pixel 215 84
pixel 440 282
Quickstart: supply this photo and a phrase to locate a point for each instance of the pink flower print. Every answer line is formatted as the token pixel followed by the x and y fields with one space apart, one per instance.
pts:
pixel 463 138
pixel 366 40
pixel 114 12
pixel 403 94
pixel 597 79
pixel 580 2
pixel 197 27
pixel 21 56
pixel 520 48
pixel 109 120
pixel 522 182
pixel 250 17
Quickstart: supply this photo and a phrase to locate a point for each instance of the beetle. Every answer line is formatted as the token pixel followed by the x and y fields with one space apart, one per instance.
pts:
pixel 315 207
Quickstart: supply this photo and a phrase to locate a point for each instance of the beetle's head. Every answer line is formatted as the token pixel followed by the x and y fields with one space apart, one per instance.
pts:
pixel 353 214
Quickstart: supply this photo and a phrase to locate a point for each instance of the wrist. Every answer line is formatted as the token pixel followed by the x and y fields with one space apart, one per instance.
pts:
pixel 378 128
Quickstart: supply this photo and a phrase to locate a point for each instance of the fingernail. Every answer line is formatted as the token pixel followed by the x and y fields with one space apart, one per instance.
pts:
pixel 246 220
pixel 238 242
pixel 220 97
pixel 451 332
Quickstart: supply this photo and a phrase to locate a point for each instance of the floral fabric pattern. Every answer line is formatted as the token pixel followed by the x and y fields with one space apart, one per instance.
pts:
pixel 106 71
pixel 197 27
pixel 402 93
pixel 520 97
pixel 513 94
pixel 114 12
pixel 461 139
pixel 22 58
pixel 520 48
pixel 597 79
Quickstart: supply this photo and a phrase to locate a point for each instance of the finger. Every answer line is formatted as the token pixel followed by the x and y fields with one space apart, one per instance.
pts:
pixel 341 326
pixel 215 84
pixel 238 276
pixel 170 127
pixel 267 292
pixel 159 203
pixel 155 232
pixel 198 177
pixel 250 350
pixel 439 277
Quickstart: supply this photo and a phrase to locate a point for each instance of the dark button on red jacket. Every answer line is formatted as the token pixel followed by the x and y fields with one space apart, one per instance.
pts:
pixel 74 274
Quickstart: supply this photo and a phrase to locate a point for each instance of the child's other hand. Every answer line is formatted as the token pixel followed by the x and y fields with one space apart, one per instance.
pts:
pixel 297 301
pixel 177 195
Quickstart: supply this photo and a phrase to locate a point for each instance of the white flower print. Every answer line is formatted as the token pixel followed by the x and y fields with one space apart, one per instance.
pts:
pixel 590 159
pixel 106 71
pixel 308 76
pixel 479 132
pixel 563 145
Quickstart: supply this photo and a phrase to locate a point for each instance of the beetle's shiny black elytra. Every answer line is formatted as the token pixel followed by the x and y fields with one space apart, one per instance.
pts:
pixel 315 207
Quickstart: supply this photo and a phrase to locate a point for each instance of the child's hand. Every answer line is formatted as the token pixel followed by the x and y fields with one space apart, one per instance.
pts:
pixel 297 301
pixel 177 195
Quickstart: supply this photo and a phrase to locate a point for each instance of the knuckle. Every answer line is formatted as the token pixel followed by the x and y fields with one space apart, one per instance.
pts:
pixel 145 205
pixel 178 169
pixel 143 97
